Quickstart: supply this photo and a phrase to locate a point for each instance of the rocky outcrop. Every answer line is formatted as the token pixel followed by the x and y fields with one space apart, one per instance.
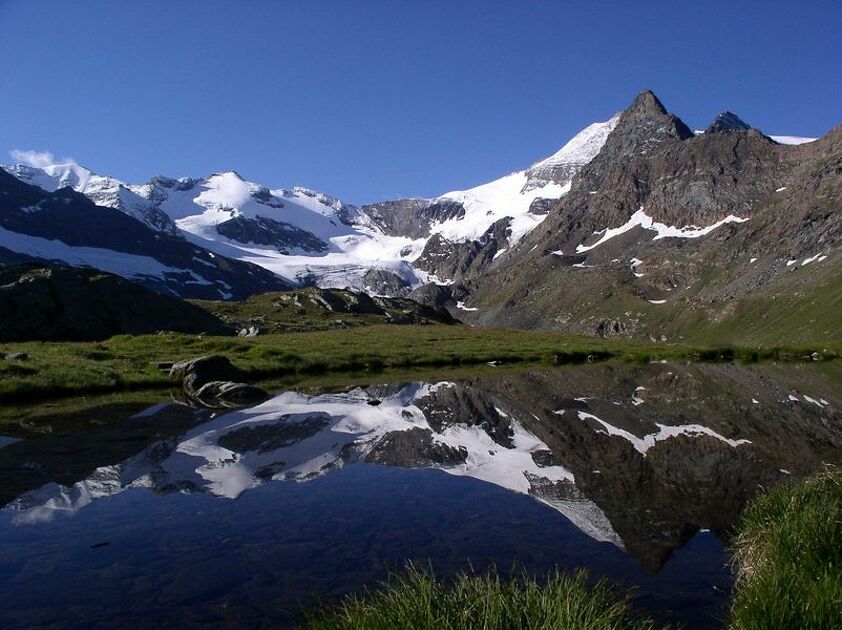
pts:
pixel 411 448
pixel 65 303
pixel 210 381
pixel 412 218
pixel 454 261
pixel 385 282
pixel 324 309
pixel 283 237
pixel 432 294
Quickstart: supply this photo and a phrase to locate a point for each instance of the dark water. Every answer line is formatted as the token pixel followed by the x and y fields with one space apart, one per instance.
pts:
pixel 246 518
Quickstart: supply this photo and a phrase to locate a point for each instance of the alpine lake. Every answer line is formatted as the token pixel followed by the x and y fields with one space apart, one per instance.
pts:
pixel 135 514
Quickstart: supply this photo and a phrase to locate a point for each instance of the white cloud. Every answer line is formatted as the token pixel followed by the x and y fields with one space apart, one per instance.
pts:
pixel 39 159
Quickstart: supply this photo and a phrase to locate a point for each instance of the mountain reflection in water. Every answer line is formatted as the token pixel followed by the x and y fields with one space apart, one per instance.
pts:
pixel 641 458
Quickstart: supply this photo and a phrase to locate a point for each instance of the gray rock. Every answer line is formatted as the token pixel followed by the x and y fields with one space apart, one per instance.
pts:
pixel 611 327
pixel 196 372
pixel 262 231
pixel 411 217
pixel 210 381
pixel 229 394
pixel 385 282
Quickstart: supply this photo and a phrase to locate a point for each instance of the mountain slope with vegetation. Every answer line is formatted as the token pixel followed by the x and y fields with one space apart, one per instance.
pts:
pixel 668 234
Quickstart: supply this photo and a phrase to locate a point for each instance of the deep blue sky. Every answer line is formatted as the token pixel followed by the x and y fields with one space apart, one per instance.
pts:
pixel 370 100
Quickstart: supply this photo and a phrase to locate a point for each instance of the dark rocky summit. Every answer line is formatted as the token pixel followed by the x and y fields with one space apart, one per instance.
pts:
pixel 727 121
pixel 66 303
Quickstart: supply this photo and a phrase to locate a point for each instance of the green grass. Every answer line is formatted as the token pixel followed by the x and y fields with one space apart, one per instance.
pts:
pixel 128 363
pixel 789 558
pixel 416 599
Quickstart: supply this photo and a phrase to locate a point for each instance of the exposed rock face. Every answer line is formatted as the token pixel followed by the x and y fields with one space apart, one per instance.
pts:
pixel 415 447
pixel 432 294
pixel 454 261
pixel 385 282
pixel 261 439
pixel 541 206
pixel 64 303
pixel 285 238
pixel 412 217
pixel 727 121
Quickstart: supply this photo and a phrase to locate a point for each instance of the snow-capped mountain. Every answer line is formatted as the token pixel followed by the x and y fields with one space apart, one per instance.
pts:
pixel 311 238
pixel 103 191
pixel 66 227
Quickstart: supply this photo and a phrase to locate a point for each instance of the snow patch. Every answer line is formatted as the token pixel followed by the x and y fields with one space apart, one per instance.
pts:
pixel 641 219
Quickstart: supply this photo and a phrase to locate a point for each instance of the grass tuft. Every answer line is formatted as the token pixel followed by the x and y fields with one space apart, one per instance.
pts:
pixel 789 557
pixel 415 599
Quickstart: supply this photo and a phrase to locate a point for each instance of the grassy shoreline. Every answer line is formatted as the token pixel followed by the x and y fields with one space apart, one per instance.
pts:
pixel 788 556
pixel 131 363
pixel 415 599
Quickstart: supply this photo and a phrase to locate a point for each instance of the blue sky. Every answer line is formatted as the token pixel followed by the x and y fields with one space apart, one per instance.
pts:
pixel 372 100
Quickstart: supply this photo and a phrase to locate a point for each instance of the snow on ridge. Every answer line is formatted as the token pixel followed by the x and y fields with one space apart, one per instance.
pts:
pixel 641 219
pixel 488 203
pixel 581 148
pixel 512 195
pixel 103 190
pixel 792 140
pixel 120 263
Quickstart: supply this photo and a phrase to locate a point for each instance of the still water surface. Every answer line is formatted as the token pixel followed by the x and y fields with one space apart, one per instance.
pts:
pixel 245 518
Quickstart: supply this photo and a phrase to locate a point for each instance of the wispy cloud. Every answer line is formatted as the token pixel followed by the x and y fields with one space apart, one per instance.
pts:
pixel 38 159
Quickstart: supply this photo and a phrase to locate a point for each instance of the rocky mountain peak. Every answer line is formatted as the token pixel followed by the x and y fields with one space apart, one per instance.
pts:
pixel 641 129
pixel 646 102
pixel 727 121
pixel 647 116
